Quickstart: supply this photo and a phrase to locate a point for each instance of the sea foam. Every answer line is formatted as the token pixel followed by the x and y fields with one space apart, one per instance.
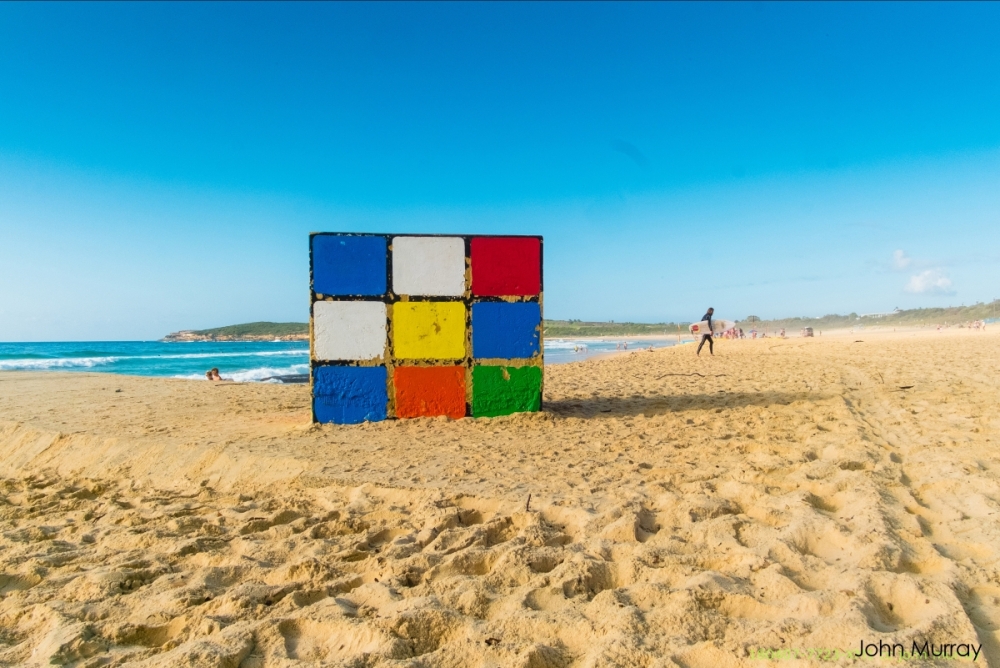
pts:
pixel 57 363
pixel 254 375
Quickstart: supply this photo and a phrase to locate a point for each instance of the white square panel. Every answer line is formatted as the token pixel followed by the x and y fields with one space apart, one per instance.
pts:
pixel 428 266
pixel 349 330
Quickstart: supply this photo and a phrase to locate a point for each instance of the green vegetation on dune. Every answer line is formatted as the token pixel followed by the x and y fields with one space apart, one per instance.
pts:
pixel 954 315
pixel 257 329
pixel 556 329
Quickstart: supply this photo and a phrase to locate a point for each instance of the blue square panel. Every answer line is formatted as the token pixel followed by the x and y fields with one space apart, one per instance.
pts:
pixel 348 265
pixel 349 394
pixel 504 330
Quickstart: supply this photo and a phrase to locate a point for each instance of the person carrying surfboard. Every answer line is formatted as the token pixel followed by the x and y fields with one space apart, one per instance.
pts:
pixel 707 336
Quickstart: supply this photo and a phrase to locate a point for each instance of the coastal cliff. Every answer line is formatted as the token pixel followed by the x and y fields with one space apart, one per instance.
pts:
pixel 252 331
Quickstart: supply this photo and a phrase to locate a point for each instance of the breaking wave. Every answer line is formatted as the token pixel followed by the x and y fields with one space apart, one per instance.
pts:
pixel 57 363
pixel 41 363
pixel 254 375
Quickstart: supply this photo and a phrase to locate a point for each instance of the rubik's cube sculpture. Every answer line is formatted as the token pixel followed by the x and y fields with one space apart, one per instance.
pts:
pixel 416 325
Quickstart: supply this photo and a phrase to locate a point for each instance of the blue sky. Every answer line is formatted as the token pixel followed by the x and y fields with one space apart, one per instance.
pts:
pixel 162 164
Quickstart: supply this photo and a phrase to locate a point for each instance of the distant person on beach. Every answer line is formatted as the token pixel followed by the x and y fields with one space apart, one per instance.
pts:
pixel 213 374
pixel 707 337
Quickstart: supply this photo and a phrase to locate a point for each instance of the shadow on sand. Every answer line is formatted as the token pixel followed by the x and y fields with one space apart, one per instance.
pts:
pixel 649 406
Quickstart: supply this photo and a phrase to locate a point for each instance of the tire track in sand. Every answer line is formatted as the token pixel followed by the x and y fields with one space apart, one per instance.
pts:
pixel 933 533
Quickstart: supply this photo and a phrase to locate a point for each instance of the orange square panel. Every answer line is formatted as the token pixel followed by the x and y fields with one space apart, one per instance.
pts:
pixel 429 391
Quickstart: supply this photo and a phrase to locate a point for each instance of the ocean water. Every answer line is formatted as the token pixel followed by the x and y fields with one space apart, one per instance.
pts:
pixel 241 362
pixel 560 351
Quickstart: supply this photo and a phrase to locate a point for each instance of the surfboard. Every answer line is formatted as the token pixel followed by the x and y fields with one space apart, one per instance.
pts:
pixel 722 325
pixel 699 328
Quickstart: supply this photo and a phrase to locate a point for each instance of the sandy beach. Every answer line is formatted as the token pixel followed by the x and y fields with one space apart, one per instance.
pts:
pixel 796 495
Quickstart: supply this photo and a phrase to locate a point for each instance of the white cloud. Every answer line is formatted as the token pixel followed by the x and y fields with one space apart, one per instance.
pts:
pixel 900 260
pixel 930 282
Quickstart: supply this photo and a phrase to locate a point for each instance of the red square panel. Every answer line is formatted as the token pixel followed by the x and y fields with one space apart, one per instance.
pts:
pixel 429 391
pixel 506 266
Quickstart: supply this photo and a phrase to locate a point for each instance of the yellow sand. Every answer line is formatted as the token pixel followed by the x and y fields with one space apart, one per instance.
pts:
pixel 684 511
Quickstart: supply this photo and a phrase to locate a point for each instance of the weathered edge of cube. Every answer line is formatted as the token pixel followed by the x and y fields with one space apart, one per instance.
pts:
pixel 388 361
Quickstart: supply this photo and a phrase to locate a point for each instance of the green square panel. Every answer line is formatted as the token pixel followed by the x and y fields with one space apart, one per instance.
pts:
pixel 502 390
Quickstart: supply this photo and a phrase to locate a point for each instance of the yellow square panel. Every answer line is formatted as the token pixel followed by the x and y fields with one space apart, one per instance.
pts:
pixel 428 330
